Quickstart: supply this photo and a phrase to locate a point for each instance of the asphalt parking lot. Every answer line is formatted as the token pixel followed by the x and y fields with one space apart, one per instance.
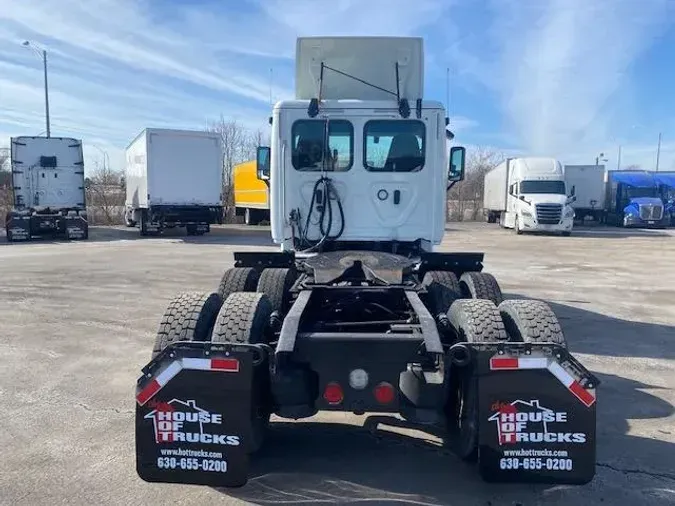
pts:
pixel 78 322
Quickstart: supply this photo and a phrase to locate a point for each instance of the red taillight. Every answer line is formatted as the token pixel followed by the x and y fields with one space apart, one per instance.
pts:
pixel 384 393
pixel 333 393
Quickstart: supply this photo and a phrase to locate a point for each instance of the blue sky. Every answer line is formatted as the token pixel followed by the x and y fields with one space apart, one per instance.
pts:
pixel 567 78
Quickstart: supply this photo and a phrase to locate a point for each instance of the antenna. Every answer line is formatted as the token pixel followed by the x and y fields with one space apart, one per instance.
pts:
pixel 271 80
pixel 447 90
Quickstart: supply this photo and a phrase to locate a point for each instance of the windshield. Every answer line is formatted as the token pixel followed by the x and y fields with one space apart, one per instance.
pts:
pixel 555 187
pixel 394 145
pixel 635 192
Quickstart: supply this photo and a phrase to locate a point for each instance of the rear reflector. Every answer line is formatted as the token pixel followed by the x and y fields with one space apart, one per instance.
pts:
pixel 200 364
pixel 333 393
pixel 587 396
pixel 225 364
pixel 384 393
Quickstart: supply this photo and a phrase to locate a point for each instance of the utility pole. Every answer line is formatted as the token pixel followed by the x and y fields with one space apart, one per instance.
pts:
pixel 658 153
pixel 43 54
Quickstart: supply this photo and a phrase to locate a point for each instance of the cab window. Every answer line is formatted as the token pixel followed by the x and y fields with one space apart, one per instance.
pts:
pixel 312 153
pixel 394 146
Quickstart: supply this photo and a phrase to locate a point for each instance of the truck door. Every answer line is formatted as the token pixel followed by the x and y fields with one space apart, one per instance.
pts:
pixel 402 170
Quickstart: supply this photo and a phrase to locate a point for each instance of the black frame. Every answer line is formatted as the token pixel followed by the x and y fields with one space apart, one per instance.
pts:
pixel 351 144
pixel 365 144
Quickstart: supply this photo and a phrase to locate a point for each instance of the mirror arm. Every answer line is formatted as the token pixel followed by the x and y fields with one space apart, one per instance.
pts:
pixel 452 183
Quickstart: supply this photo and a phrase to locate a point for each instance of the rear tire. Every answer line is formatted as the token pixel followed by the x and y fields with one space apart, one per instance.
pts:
pixel 442 290
pixel 475 321
pixel 189 317
pixel 531 321
pixel 244 318
pixel 238 279
pixel 481 285
pixel 566 234
pixel 276 283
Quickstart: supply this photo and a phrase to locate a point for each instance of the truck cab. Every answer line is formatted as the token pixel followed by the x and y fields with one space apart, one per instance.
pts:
pixel 537 197
pixel 365 172
pixel 633 200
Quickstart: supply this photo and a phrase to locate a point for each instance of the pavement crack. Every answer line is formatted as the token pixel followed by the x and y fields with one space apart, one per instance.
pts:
pixel 665 476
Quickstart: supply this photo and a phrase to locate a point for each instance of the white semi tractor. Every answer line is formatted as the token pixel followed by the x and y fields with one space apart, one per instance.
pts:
pixel 48 189
pixel 358 311
pixel 174 178
pixel 529 195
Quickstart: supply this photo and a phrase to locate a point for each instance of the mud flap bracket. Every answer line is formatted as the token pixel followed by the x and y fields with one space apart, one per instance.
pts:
pixel 193 406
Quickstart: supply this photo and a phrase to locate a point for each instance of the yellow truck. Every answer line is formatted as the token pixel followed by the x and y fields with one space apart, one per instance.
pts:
pixel 251 195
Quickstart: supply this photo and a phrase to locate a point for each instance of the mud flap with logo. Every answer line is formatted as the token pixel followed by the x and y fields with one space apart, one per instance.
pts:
pixel 18 227
pixel 537 415
pixel 193 414
pixel 76 227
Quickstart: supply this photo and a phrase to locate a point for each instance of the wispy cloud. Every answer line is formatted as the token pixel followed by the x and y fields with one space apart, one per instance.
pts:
pixel 117 66
pixel 560 69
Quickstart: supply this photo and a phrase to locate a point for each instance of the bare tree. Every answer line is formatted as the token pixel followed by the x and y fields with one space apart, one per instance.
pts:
pixel 468 194
pixel 6 200
pixel 105 196
pixel 239 145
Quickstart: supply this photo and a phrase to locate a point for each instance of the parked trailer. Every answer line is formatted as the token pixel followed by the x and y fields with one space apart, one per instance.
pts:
pixel 633 200
pixel 251 195
pixel 48 189
pixel 528 195
pixel 357 313
pixel 587 184
pixel 174 178
pixel 666 186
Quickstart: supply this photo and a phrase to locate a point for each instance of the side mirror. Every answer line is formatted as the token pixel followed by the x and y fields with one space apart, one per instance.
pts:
pixel 574 191
pixel 456 169
pixel 571 199
pixel 262 159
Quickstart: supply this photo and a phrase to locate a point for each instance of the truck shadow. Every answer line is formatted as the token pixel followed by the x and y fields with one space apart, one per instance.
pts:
pixel 221 234
pixel 597 334
pixel 330 463
pixel 604 232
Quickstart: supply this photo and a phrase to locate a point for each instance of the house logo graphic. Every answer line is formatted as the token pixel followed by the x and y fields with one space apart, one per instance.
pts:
pixel 530 422
pixel 184 421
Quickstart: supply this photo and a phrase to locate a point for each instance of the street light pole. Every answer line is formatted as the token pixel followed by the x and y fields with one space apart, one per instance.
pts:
pixel 658 153
pixel 44 61
pixel 618 159
pixel 43 55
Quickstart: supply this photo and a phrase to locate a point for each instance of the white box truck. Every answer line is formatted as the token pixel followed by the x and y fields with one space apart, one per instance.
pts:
pixel 528 195
pixel 48 189
pixel 174 178
pixel 587 184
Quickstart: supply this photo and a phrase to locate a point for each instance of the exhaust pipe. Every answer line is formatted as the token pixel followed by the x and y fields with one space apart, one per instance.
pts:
pixel 459 354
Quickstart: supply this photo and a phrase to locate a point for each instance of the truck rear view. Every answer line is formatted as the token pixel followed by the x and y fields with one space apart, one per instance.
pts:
pixel 174 179
pixel 587 184
pixel 48 189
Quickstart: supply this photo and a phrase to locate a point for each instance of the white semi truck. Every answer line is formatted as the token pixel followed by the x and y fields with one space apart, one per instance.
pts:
pixel 586 183
pixel 529 195
pixel 174 178
pixel 358 311
pixel 48 189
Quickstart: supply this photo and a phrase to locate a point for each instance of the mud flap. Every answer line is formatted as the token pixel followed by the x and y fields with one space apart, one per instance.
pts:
pixel 76 227
pixel 193 406
pixel 537 415
pixel 18 227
